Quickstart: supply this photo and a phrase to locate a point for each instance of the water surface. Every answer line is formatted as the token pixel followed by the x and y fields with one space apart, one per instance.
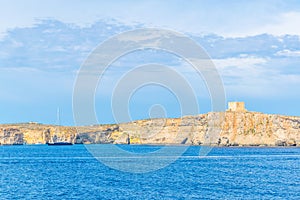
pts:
pixel 71 172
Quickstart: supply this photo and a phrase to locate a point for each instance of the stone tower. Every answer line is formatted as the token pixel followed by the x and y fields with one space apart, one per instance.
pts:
pixel 236 107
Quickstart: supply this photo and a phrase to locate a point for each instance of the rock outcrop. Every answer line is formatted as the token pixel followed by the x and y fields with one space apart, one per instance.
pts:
pixel 34 133
pixel 231 128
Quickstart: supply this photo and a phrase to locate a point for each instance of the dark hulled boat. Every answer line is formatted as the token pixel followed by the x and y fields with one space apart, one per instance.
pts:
pixel 59 143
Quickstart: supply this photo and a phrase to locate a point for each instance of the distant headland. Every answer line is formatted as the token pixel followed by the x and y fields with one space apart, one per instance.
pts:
pixel 234 127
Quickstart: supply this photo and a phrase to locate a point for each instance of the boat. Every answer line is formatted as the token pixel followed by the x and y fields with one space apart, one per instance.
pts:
pixel 59 142
pixel 38 143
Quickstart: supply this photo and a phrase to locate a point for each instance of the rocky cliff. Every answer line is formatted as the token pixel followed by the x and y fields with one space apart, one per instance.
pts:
pixel 230 128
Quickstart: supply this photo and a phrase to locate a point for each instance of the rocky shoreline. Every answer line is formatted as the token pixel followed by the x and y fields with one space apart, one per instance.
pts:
pixel 234 127
pixel 216 129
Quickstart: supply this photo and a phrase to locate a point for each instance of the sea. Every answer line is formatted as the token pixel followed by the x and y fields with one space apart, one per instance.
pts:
pixel 73 172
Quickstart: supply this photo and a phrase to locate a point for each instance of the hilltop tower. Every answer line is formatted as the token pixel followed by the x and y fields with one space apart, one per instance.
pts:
pixel 236 107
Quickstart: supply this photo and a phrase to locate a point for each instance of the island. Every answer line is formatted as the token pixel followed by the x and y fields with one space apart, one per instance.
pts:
pixel 234 127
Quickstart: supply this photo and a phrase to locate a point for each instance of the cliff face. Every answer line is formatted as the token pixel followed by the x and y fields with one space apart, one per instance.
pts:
pixel 229 128
pixel 252 128
pixel 224 128
pixel 32 133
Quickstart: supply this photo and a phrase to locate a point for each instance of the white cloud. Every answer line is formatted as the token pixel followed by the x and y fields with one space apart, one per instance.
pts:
pixel 255 77
pixel 278 24
pixel 287 23
pixel 288 53
pixel 248 76
pixel 18 69
pixel 229 19
pixel 239 62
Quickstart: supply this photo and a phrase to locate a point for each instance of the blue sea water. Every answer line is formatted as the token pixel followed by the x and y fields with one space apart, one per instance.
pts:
pixel 71 172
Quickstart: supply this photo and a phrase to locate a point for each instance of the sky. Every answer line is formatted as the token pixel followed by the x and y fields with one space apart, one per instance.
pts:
pixel 254 45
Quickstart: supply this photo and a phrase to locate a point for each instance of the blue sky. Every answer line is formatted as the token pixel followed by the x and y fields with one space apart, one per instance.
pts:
pixel 255 45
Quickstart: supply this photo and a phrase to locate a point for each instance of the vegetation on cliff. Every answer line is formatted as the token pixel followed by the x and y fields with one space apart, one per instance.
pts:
pixel 230 128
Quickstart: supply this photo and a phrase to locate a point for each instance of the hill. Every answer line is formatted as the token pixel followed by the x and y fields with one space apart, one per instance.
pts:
pixel 235 127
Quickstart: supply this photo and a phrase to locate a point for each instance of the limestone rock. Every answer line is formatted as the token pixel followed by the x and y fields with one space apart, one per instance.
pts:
pixel 230 128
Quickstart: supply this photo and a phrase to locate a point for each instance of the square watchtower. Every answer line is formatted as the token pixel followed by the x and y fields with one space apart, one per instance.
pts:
pixel 236 107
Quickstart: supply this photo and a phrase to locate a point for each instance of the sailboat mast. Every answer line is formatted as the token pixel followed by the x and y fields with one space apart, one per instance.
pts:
pixel 59 135
pixel 58 117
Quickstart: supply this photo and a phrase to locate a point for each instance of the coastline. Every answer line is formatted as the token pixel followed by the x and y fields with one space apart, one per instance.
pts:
pixel 164 145
pixel 235 127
